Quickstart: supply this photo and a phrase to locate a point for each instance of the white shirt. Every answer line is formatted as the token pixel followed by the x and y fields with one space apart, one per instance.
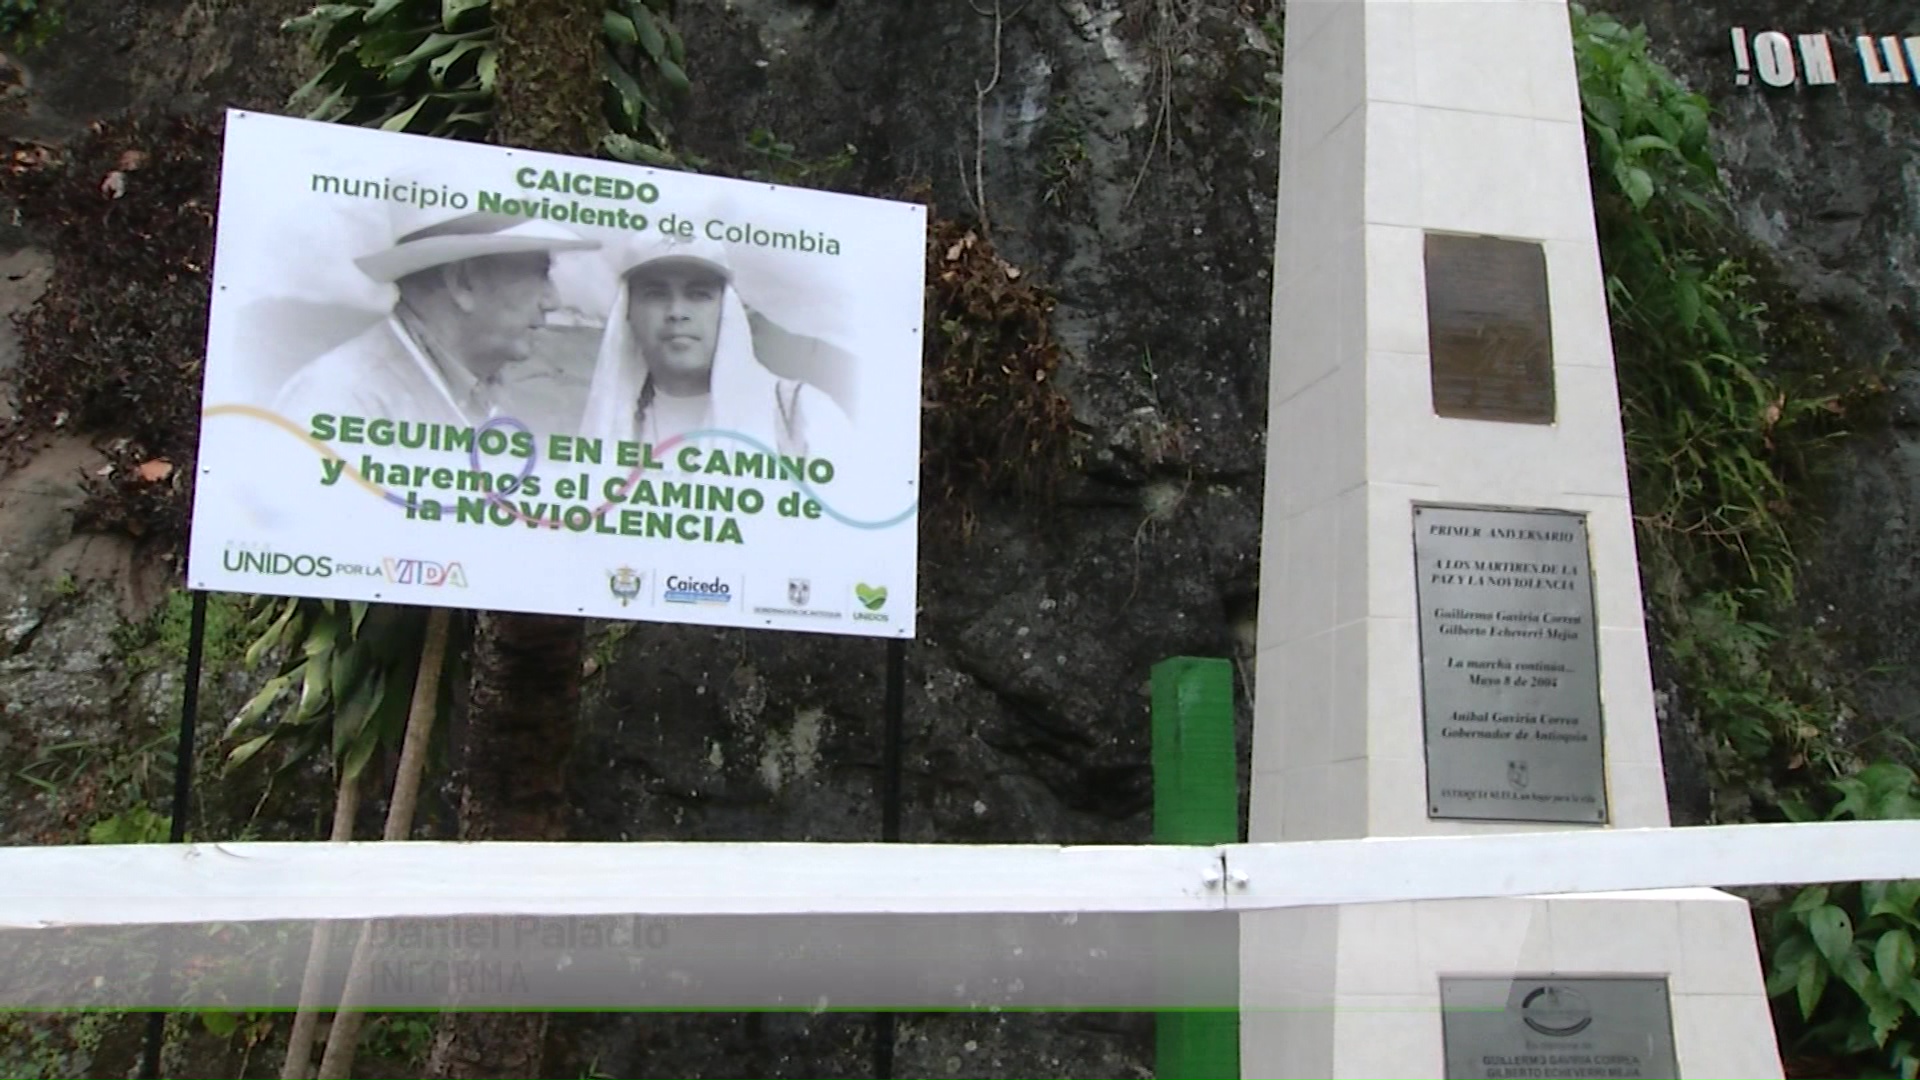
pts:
pixel 383 373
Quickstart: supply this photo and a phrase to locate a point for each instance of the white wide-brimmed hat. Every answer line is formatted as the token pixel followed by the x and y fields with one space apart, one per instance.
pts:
pixel 441 235
pixel 661 253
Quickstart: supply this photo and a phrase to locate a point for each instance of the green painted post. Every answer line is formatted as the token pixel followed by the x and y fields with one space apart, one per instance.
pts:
pixel 1196 800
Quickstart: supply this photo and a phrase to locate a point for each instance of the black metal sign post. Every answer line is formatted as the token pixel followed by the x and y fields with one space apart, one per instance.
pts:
pixel 890 741
pixel 177 829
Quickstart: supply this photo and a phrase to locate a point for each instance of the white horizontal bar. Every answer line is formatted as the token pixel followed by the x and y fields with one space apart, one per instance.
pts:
pixel 159 884
pixel 1550 863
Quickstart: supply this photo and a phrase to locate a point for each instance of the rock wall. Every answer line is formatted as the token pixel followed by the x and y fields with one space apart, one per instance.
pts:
pixel 1123 170
pixel 1824 177
pixel 1123 152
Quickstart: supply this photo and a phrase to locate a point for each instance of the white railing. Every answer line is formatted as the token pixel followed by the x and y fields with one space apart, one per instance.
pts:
pixel 203 883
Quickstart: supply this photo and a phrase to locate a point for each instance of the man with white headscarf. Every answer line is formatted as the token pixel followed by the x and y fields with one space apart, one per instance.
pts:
pixel 678 357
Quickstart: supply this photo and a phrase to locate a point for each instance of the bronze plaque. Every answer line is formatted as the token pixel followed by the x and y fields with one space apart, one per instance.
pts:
pixel 1489 331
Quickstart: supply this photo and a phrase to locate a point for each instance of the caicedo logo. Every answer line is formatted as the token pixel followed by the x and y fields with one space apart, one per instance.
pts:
pixel 686 590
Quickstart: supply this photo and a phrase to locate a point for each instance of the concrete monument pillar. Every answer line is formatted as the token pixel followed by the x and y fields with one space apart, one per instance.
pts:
pixel 1450 631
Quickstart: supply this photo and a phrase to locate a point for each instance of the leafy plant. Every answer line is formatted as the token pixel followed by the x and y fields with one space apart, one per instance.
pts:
pixel 1704 401
pixel 32 1051
pixel 1845 954
pixel 1760 707
pixel 431 66
pixel 994 422
pixel 398 1036
pixel 1065 169
pixel 1729 391
pixel 645 59
pixel 57 764
pixel 17 15
pixel 54 1046
pixel 423 66
pixel 252 1028
pixel 88 781
pixel 344 683
pixel 26 22
pixel 782 163
pixel 135 825
pixel 1264 98
pixel 168 630
pixel 1727 394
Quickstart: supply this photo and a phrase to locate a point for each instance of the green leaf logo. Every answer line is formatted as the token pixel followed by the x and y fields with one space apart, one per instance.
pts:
pixel 873 598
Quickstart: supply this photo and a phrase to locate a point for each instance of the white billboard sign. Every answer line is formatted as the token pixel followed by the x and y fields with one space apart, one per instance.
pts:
pixel 461 375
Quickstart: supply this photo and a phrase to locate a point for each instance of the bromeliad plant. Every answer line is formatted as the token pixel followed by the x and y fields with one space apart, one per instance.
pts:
pixel 430 67
pixel 343 685
pixel 424 66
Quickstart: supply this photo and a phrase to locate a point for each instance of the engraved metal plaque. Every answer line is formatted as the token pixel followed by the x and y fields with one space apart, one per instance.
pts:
pixel 1489 331
pixel 1510 662
pixel 1509 1028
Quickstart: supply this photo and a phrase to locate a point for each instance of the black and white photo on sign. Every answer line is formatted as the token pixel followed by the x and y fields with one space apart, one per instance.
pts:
pixel 473 316
pixel 471 298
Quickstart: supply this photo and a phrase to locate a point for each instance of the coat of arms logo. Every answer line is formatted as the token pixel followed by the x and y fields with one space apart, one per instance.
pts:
pixel 799 591
pixel 1517 775
pixel 624 583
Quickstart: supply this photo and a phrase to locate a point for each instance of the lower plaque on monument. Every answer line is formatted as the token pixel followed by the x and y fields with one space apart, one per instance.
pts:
pixel 1506 1028
pixel 1510 665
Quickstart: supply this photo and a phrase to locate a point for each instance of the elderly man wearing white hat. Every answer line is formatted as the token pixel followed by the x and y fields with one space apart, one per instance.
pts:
pixel 472 289
pixel 678 356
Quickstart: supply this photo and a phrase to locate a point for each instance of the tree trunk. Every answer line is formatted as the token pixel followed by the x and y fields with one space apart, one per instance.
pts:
pixel 523 697
pixel 306 1022
pixel 343 1041
pixel 524 693
pixel 549 79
